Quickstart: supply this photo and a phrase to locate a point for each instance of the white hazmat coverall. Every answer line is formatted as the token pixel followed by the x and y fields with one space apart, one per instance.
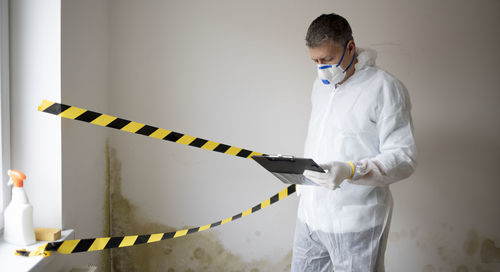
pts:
pixel 367 121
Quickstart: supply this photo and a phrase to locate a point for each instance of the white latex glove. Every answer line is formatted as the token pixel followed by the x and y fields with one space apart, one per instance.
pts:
pixel 336 172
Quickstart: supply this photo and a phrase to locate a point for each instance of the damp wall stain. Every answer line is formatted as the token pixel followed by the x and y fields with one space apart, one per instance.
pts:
pixel 474 252
pixel 489 252
pixel 105 264
pixel 196 252
pixel 478 253
pixel 471 244
pixel 428 268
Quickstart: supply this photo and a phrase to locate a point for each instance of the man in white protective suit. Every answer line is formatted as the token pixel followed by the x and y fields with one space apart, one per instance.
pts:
pixel 361 132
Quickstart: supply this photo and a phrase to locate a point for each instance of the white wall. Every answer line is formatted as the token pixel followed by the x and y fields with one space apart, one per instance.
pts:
pixel 66 180
pixel 219 70
pixel 446 53
pixel 85 84
pixel 35 63
pixel 4 107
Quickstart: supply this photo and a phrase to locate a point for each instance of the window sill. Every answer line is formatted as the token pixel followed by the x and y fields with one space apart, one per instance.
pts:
pixel 11 262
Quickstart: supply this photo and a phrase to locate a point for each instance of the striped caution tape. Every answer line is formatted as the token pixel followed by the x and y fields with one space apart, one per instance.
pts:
pixel 75 113
pixel 93 244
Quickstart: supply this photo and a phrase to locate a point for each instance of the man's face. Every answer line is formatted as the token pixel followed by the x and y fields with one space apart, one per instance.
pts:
pixel 330 53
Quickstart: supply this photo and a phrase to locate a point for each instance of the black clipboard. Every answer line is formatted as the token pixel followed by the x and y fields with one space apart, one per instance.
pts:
pixel 287 164
pixel 288 169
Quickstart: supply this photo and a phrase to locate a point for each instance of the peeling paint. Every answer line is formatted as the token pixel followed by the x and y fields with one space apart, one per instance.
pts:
pixel 195 252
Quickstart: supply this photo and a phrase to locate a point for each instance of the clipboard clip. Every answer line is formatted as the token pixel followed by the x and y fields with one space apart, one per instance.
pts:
pixel 280 157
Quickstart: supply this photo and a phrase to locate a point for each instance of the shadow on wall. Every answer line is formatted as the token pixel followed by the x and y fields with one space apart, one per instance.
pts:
pixel 195 252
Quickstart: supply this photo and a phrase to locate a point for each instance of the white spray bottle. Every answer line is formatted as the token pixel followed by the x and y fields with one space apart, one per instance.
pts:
pixel 19 228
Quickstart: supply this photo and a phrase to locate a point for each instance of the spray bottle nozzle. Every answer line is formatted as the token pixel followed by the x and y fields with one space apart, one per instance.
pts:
pixel 16 178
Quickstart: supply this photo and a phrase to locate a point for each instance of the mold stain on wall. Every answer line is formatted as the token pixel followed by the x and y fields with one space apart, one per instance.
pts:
pixel 489 252
pixel 196 252
pixel 204 252
pixel 105 264
pixel 476 253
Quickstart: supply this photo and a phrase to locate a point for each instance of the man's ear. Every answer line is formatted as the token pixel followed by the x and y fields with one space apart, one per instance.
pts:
pixel 351 46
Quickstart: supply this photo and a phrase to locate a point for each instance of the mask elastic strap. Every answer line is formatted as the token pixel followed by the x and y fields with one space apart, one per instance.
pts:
pixel 349 66
pixel 352 60
pixel 343 54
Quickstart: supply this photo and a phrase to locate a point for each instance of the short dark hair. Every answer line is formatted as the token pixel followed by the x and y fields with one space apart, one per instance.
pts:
pixel 328 27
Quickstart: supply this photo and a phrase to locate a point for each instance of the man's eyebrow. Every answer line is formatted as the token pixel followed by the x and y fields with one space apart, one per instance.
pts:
pixel 322 58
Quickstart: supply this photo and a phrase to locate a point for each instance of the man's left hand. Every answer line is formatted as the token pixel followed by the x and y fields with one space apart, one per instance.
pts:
pixel 336 172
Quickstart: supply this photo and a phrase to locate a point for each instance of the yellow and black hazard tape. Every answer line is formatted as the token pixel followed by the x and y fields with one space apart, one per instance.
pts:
pixel 75 113
pixel 93 244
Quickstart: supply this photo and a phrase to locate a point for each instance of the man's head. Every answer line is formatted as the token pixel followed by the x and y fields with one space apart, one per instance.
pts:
pixel 330 41
pixel 328 27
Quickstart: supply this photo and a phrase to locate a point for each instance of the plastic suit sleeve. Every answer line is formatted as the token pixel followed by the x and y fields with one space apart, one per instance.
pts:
pixel 397 159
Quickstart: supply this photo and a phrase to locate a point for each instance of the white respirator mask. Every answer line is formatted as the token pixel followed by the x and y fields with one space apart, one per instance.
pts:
pixel 333 74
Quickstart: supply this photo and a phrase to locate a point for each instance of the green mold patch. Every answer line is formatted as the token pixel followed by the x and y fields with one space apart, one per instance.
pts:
pixel 195 252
